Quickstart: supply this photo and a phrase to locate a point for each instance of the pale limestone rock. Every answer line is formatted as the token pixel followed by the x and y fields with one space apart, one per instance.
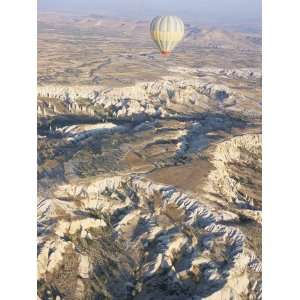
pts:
pixel 220 181
pixel 82 225
pixel 84 266
pixel 163 245
pixel 79 292
pixel 147 98
pixel 50 261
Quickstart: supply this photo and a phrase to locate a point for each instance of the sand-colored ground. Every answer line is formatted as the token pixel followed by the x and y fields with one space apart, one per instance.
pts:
pixel 188 177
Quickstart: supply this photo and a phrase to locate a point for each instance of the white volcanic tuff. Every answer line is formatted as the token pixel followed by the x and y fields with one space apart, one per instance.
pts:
pixel 169 243
pixel 84 130
pixel 50 256
pixel 148 98
pixel 84 266
pixel 242 150
pixel 243 73
pixel 230 150
pixel 64 227
pixel 52 207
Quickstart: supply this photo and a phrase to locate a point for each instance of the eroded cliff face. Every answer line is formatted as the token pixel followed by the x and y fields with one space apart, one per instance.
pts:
pixel 151 191
pixel 191 91
pixel 127 237
pixel 237 174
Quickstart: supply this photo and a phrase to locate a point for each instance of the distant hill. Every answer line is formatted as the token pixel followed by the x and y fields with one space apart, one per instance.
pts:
pixel 217 38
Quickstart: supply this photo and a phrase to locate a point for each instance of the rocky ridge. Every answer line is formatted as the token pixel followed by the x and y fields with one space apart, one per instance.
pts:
pixel 237 174
pixel 171 96
pixel 173 239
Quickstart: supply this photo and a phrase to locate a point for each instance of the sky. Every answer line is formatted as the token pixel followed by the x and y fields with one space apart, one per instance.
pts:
pixel 213 11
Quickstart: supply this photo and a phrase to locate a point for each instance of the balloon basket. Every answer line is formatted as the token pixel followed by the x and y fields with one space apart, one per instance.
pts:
pixel 165 53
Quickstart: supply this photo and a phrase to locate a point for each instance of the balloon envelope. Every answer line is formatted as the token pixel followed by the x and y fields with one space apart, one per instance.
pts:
pixel 167 32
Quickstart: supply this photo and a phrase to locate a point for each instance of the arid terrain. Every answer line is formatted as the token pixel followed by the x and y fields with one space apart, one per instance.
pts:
pixel 149 168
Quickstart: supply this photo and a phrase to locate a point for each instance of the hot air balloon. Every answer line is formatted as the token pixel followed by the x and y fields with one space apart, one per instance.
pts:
pixel 166 32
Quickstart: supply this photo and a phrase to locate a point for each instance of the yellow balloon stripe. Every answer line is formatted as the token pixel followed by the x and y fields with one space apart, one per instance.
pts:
pixel 167 36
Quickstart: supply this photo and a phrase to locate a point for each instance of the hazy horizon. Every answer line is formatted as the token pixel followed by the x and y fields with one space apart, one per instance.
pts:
pixel 202 11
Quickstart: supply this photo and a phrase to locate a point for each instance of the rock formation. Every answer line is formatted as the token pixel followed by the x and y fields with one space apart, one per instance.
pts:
pixel 179 248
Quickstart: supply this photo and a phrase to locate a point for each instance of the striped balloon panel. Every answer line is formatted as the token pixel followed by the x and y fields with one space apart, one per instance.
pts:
pixel 167 32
